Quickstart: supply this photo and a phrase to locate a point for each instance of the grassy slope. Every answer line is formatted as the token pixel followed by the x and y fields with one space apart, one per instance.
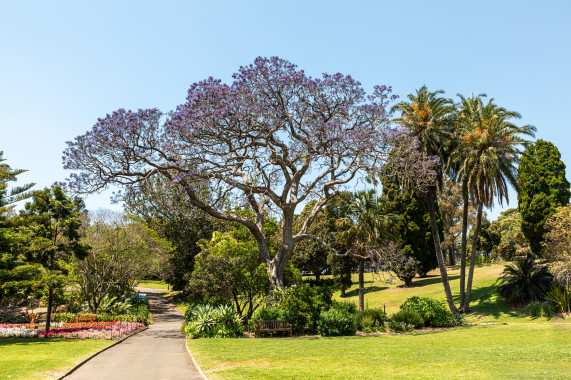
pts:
pixel 499 351
pixel 486 305
pixel 29 358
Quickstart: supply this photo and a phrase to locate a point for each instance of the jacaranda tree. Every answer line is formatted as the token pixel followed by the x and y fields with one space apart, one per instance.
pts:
pixel 272 139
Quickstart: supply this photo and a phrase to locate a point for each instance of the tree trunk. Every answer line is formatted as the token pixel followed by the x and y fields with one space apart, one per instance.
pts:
pixel 276 272
pixel 343 291
pixel 464 246
pixel 49 313
pixel 466 305
pixel 451 255
pixel 438 249
pixel 361 285
pixel 317 275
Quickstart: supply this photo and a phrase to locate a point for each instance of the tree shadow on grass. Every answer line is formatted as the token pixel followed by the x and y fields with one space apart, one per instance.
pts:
pixel 430 280
pixel 486 301
pixel 368 289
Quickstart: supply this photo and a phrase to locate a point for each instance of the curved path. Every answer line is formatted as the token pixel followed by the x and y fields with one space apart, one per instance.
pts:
pixel 156 353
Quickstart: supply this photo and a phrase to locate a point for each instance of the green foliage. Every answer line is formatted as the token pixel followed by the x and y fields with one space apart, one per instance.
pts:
pixel 543 188
pixel 14 318
pixel 214 322
pixel 229 268
pixel 415 236
pixel 306 303
pixel 560 297
pixel 335 322
pixel 400 326
pixel 539 309
pixel 410 317
pixel 310 255
pixel 347 306
pixel 321 282
pixel 434 313
pixel 506 235
pixel 370 320
pixel 524 281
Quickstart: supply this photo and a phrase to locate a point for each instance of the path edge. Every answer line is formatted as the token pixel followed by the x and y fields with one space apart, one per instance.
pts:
pixel 97 353
pixel 193 360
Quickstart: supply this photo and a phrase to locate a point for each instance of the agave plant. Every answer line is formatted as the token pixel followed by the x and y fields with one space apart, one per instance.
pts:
pixel 525 281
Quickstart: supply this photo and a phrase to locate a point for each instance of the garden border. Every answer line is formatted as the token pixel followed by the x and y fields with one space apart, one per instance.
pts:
pixel 97 353
pixel 193 360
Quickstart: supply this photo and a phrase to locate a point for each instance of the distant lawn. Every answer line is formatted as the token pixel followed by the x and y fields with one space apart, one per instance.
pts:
pixel 153 284
pixel 29 358
pixel 477 352
pixel 486 306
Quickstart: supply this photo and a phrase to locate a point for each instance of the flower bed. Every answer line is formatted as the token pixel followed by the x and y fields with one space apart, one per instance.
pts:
pixel 81 330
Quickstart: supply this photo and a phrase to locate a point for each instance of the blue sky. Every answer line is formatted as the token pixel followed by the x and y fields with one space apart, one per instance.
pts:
pixel 64 64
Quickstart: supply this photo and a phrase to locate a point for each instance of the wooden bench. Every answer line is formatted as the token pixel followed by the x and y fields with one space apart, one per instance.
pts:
pixel 272 325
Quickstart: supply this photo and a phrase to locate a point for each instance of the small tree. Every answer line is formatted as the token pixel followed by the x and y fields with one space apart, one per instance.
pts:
pixel 54 222
pixel 543 188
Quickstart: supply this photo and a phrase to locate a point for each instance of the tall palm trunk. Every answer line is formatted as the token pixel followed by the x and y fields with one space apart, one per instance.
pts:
pixel 466 304
pixel 438 248
pixel 451 254
pixel 361 285
pixel 464 245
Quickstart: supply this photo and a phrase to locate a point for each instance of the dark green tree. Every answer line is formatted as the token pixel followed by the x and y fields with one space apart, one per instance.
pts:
pixel 414 225
pixel 54 221
pixel 543 188
pixel 310 255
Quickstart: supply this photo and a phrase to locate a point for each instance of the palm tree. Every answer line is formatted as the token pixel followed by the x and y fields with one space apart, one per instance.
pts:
pixel 490 146
pixel 525 281
pixel 364 228
pixel 430 118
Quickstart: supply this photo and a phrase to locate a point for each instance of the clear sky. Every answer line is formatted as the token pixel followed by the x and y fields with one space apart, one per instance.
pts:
pixel 63 64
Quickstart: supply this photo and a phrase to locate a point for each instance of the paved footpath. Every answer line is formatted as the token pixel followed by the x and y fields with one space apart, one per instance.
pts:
pixel 156 353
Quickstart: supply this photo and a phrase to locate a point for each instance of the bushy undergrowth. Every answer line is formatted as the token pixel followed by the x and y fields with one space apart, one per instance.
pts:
pixel 560 297
pixel 335 322
pixel 434 313
pixel 14 318
pixel 207 321
pixel 400 326
pixel 540 309
pixel 321 282
pixel 370 320
pixel 410 317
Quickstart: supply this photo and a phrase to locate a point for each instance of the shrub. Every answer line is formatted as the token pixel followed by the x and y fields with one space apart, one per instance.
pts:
pixel 347 306
pixel 370 320
pixel 400 326
pixel 63 317
pixel 334 322
pixel 14 318
pixel 540 309
pixel 433 312
pixel 306 303
pixel 209 322
pixel 560 298
pixel 410 317
pixel 524 281
pixel 321 282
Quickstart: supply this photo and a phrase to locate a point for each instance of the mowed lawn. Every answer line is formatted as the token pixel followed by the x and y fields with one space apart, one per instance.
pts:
pixel 475 352
pixel 486 305
pixel 498 343
pixel 31 358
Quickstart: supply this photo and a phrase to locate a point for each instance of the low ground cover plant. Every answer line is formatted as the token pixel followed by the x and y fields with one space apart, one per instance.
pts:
pixel 207 321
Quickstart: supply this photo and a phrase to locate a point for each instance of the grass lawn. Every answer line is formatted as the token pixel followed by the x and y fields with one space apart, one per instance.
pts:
pixel 476 352
pixel 25 358
pixel 486 305
pixel 153 284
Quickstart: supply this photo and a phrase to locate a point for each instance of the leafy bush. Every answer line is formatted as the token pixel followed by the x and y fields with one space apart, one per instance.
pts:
pixel 540 309
pixel 210 322
pixel 334 322
pixel 321 282
pixel 370 320
pixel 347 306
pixel 14 318
pixel 525 281
pixel 64 317
pixel 306 303
pixel 560 297
pixel 410 317
pixel 433 312
pixel 400 326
